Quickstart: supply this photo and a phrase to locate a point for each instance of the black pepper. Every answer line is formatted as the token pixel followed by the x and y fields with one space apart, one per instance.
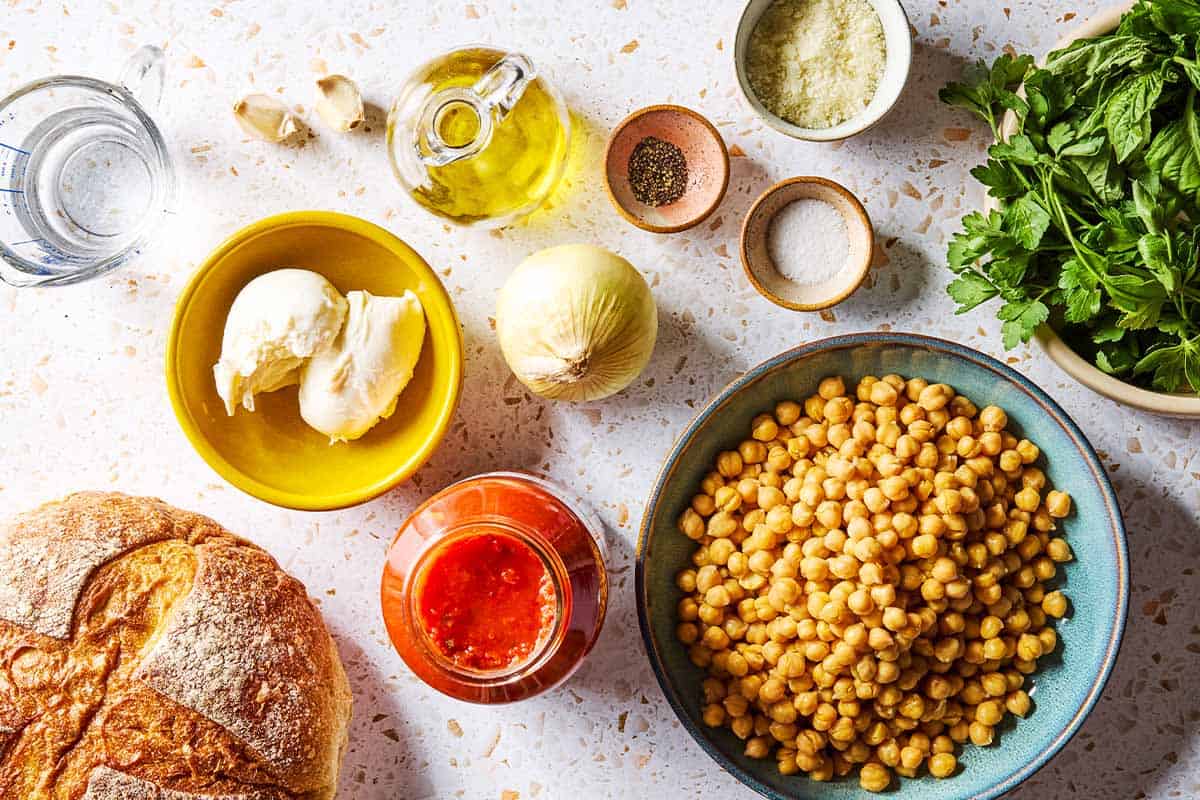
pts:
pixel 657 172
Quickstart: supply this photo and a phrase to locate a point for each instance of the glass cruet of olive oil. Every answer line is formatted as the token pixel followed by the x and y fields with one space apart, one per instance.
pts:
pixel 478 137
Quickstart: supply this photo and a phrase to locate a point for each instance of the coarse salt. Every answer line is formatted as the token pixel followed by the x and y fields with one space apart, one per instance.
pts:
pixel 808 242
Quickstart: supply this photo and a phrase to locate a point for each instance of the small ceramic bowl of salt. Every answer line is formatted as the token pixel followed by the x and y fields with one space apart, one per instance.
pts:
pixel 807 243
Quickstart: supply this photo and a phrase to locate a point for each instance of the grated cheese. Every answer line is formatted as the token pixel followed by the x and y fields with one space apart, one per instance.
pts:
pixel 816 63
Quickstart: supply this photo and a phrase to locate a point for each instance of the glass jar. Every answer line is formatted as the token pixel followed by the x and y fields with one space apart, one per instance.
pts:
pixel 485 537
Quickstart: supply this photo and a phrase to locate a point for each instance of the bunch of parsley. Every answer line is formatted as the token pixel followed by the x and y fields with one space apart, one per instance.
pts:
pixel 1099 188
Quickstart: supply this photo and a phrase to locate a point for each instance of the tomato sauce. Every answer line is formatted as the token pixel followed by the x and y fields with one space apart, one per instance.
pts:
pixel 495 589
pixel 486 601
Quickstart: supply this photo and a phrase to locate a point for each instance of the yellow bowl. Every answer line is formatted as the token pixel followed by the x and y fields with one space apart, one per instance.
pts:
pixel 271 453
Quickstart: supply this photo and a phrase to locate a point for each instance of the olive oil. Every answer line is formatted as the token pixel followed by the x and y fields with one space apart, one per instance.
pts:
pixel 478 138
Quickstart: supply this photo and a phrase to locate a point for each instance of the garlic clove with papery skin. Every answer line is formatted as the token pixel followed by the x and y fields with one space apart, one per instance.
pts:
pixel 339 103
pixel 264 117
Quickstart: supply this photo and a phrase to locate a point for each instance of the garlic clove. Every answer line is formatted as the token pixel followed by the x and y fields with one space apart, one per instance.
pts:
pixel 264 117
pixel 339 103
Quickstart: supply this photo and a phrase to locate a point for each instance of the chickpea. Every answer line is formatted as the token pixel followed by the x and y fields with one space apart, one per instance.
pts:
pixel 1016 702
pixel 1058 504
pixel 932 524
pixel 894 619
pixel 764 428
pixel 727 499
pixel 943 764
pixel 993 419
pixel 831 387
pixel 959 427
pixel 989 712
pixel 715 638
pixel 994 649
pixel 838 410
pixel 1058 550
pixel 707 577
pixel 704 505
pixel 924 546
pixel 1027 499
pixel 962 406
pixel 1010 461
pixel 1055 604
pixel 893 488
pixel 687 632
pixel 691 524
pixel 778 460
pixel 729 464
pixel 720 551
pixel 757 747
pixel 768 497
pixel 875 500
pixel 713 715
pixel 1028 451
pixel 787 412
pixel 752 451
pixel 874 777
pixel 980 734
pixel 910 757
pixel 1029 647
pixel 717 597
pixel 829 513
pixel 882 393
pixel 935 396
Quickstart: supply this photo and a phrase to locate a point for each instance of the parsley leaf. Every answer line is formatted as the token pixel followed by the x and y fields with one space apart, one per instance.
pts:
pixel 1081 292
pixel 970 289
pixel 1174 367
pixel 1021 318
pixel 1027 221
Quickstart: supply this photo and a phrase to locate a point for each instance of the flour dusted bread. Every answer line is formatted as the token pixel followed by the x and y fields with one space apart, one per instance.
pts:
pixel 148 654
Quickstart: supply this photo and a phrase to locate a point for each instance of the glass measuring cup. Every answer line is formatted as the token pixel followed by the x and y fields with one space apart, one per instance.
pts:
pixel 85 175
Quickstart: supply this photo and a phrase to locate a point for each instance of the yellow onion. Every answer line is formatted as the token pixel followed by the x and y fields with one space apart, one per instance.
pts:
pixel 576 323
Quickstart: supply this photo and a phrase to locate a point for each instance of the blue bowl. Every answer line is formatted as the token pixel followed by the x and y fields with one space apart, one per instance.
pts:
pixel 1065 687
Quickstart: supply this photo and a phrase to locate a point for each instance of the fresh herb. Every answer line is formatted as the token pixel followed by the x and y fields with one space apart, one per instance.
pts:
pixel 1098 183
pixel 658 172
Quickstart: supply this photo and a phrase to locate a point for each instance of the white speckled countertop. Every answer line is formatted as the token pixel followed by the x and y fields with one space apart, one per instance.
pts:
pixel 83 405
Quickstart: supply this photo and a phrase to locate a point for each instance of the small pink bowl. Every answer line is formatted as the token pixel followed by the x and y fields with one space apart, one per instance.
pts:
pixel 707 163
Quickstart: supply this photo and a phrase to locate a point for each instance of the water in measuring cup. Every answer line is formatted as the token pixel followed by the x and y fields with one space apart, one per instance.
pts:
pixel 81 184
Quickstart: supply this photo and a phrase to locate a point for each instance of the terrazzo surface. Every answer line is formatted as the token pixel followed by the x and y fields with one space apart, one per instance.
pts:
pixel 83 404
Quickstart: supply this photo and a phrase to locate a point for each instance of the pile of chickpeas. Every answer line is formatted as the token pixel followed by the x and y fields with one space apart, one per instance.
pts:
pixel 868 583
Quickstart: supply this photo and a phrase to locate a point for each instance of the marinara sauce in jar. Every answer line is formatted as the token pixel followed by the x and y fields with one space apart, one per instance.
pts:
pixel 495 589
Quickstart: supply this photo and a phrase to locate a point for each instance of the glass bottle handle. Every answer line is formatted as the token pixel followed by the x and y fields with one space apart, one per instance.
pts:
pixel 143 75
pixel 502 86
pixel 491 98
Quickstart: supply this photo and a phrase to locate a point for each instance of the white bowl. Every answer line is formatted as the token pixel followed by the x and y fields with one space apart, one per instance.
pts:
pixel 897 35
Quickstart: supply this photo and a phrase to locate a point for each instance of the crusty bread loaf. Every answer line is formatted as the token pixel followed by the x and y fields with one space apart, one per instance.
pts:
pixel 148 654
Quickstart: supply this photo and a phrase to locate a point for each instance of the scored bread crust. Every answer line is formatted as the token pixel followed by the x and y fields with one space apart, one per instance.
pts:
pixel 146 653
pixel 108 784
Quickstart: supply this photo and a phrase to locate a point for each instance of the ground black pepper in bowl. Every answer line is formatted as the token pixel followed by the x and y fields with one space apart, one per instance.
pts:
pixel 657 172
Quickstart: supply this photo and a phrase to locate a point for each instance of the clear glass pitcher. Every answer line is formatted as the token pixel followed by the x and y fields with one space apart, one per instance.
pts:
pixel 85 176
pixel 478 136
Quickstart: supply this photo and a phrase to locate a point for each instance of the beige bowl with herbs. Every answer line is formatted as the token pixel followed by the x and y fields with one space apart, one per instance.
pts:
pixel 869 41
pixel 1179 404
